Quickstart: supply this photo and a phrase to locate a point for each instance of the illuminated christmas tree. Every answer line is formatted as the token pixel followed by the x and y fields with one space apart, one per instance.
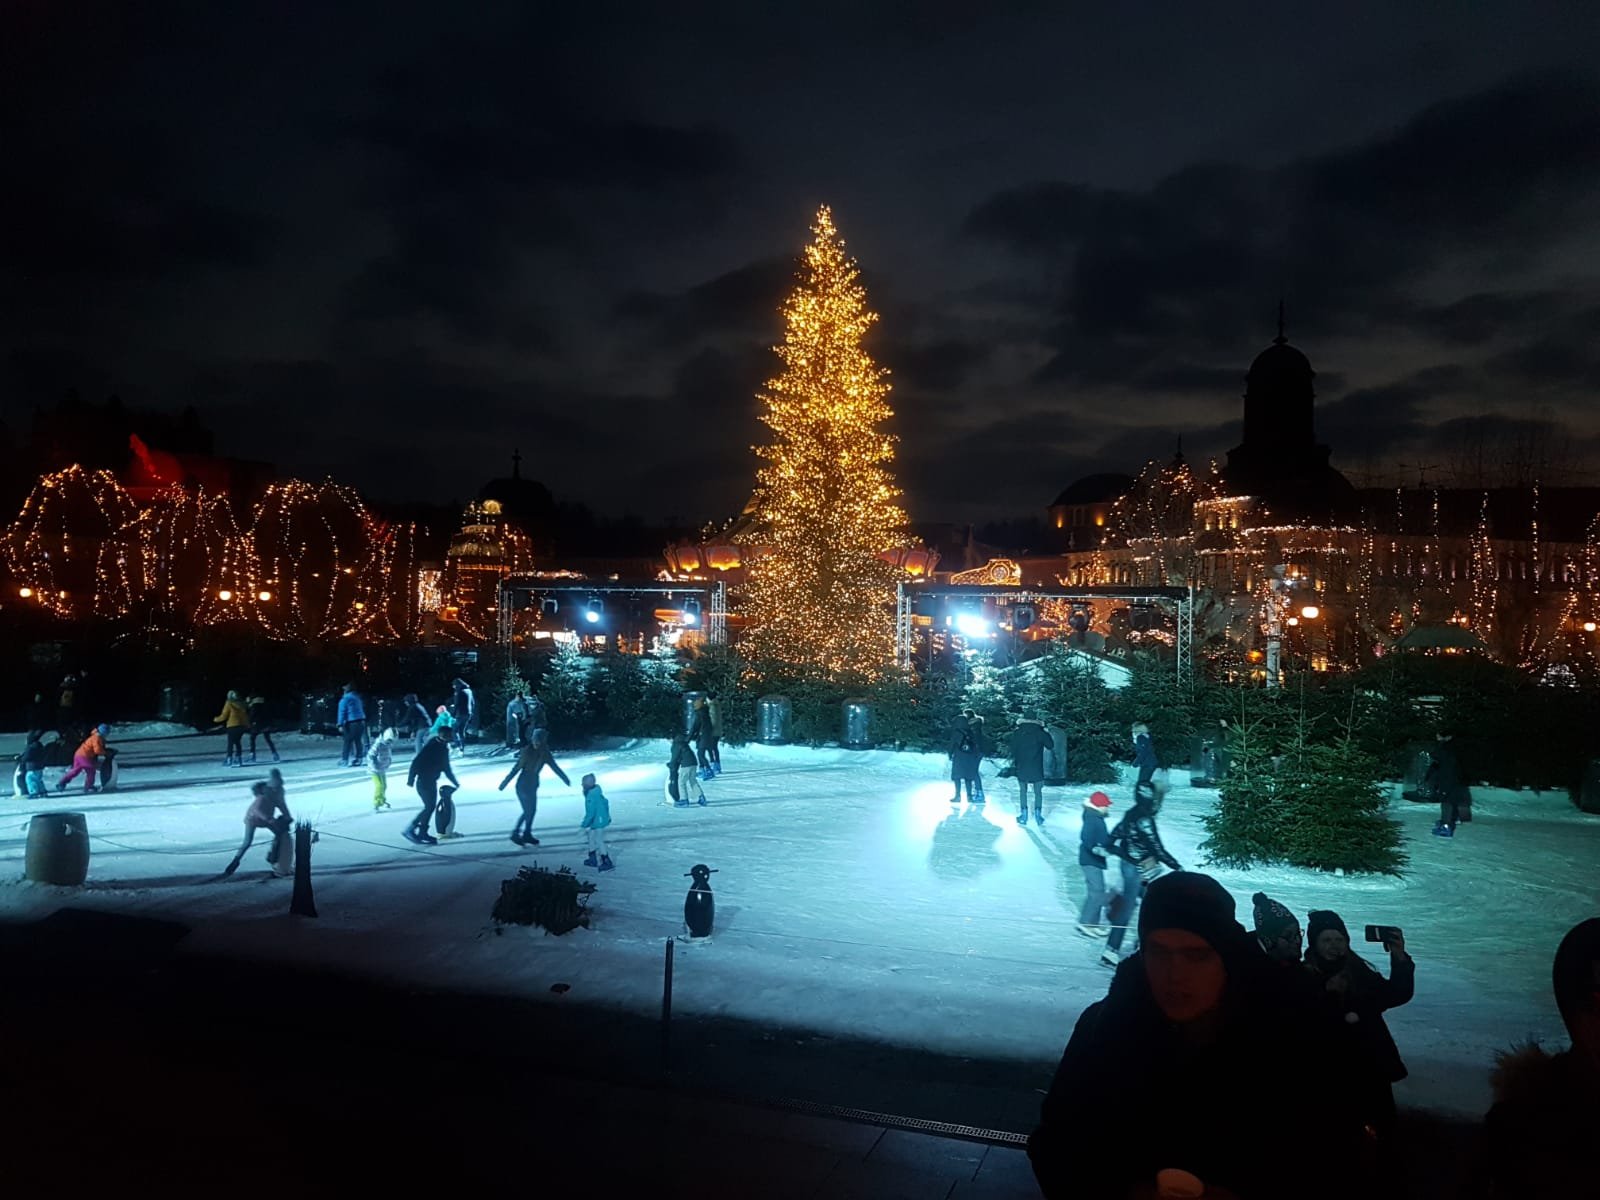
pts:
pixel 818 592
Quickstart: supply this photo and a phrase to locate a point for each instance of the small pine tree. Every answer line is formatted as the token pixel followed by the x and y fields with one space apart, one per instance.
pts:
pixel 1311 805
pixel 1068 691
pixel 565 692
pixel 508 683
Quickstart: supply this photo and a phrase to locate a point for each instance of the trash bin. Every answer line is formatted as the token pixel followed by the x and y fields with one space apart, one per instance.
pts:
pixel 774 718
pixel 177 704
pixel 1202 761
pixel 688 709
pixel 1589 794
pixel 858 724
pixel 1055 767
pixel 58 849
pixel 1417 761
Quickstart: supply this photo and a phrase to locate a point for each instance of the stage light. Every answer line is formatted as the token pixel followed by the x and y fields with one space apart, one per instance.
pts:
pixel 1022 616
pixel 1311 612
pixel 691 611
pixel 549 606
pixel 972 625
pixel 592 610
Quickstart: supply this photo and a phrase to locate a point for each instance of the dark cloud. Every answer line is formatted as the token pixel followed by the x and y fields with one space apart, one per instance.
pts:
pixel 943 365
pixel 742 301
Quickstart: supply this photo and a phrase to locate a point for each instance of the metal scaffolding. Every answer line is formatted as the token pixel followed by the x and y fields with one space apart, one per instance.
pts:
pixel 1181 598
pixel 714 595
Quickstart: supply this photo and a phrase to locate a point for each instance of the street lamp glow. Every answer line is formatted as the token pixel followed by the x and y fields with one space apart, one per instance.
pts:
pixel 263 594
pixel 25 593
pixel 1588 626
pixel 1310 612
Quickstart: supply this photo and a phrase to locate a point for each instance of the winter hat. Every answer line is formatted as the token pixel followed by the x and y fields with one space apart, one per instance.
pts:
pixel 103 729
pixel 388 735
pixel 1576 974
pixel 1098 802
pixel 1194 902
pixel 1272 918
pixel 1322 920
pixel 589 781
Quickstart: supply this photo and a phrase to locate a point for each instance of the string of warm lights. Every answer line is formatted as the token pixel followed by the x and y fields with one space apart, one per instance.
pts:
pixel 826 502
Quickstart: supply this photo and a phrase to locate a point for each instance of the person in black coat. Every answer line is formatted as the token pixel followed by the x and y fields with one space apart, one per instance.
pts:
pixel 1355 997
pixel 463 707
pixel 1539 1136
pixel 1136 843
pixel 1443 778
pixel 1144 753
pixel 415 721
pixel 431 761
pixel 1029 741
pixel 1094 847
pixel 967 748
pixel 1197 1034
pixel 535 757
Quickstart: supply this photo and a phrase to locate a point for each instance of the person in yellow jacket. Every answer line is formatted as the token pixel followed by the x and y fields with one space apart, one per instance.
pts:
pixel 235 718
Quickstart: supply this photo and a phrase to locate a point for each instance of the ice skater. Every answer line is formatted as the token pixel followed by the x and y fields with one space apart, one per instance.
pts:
pixel 267 811
pixel 235 719
pixel 463 706
pixel 1029 741
pixel 1444 780
pixel 352 718
pixel 596 816
pixel 414 720
pixel 1137 844
pixel 534 758
pixel 1144 753
pixel 431 761
pixel 516 721
pixel 702 737
pixel 1093 846
pixel 260 727
pixel 442 725
pixel 966 758
pixel 683 771
pixel 31 762
pixel 86 760
pixel 378 760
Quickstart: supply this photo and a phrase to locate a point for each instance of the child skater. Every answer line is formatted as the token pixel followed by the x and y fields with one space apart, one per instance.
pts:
pixel 596 816
pixel 262 815
pixel 378 760
pixel 685 769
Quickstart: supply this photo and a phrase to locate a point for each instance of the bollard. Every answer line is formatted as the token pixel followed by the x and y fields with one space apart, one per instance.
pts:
pixel 666 1009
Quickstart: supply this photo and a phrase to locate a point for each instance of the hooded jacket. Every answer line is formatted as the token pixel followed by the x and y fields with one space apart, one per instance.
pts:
pixel 1092 837
pixel 33 756
pixel 234 715
pixel 1539 1136
pixel 596 809
pixel 681 755
pixel 381 755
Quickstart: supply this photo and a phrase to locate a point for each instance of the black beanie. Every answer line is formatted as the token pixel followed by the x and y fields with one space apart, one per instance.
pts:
pixel 1576 974
pixel 1272 918
pixel 1191 901
pixel 1321 920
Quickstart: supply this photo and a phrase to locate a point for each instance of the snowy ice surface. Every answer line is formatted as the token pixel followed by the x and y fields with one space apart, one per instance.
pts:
pixel 851 898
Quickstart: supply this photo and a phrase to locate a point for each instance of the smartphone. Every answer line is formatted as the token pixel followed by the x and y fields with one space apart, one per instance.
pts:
pixel 1382 933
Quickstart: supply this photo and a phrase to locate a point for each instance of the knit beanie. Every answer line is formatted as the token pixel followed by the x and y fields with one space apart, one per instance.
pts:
pixel 1193 902
pixel 1272 918
pixel 1322 920
pixel 1576 974
pixel 103 730
pixel 1098 802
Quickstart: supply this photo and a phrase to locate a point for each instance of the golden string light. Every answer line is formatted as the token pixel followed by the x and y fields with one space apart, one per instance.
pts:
pixel 826 502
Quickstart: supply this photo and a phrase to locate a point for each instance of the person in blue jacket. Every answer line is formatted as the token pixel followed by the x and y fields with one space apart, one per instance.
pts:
pixel 1144 753
pixel 353 724
pixel 596 817
pixel 1094 842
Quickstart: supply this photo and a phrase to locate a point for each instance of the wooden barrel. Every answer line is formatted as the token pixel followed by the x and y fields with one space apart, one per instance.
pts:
pixel 58 849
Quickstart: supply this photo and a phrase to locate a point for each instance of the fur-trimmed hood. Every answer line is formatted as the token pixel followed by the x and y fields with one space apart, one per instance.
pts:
pixel 1521 1072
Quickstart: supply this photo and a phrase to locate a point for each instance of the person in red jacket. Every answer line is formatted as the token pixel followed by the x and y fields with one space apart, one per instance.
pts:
pixel 267 811
pixel 87 759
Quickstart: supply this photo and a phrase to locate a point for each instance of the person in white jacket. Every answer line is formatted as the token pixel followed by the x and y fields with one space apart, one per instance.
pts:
pixel 378 760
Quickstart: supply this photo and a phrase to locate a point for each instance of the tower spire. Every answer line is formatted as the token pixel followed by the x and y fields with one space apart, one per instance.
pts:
pixel 1280 339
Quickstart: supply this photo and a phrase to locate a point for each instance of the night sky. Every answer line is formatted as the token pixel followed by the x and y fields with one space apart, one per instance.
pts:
pixel 393 241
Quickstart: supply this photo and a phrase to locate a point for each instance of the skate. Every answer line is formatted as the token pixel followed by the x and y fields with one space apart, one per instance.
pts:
pixel 251 760
pixel 1038 815
pixel 605 863
pixel 448 837
pixel 703 802
pixel 1022 817
pixel 410 834
pixel 1443 831
pixel 427 839
pixel 275 757
pixel 1091 931
pixel 591 861
pixel 675 803
pixel 1110 958
pixel 529 840
pixel 516 836
pixel 704 774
